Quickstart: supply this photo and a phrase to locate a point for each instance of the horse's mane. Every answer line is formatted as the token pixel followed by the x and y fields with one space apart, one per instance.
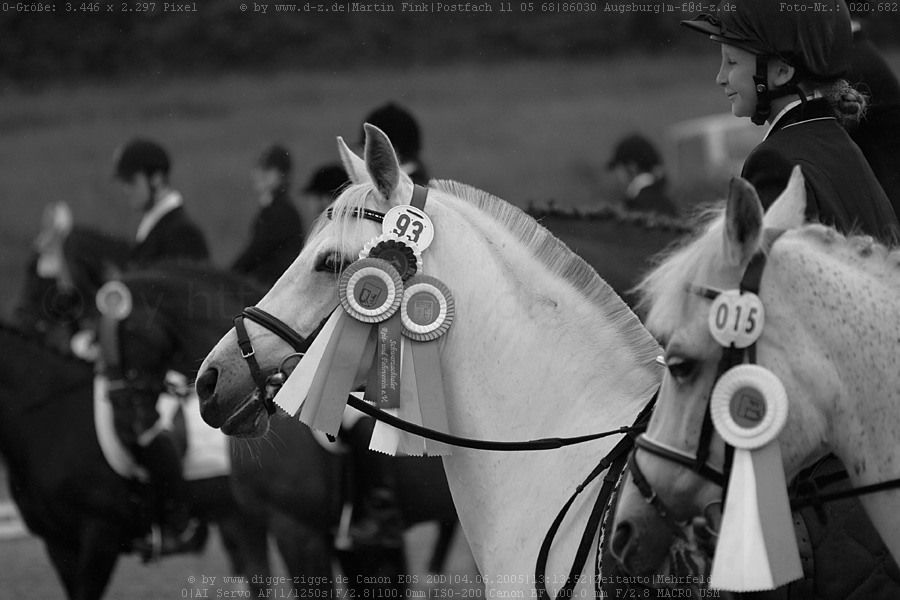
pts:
pixel 544 246
pixel 662 291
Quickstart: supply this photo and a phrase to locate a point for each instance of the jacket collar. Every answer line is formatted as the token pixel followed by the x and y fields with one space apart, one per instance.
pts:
pixel 794 113
pixel 169 202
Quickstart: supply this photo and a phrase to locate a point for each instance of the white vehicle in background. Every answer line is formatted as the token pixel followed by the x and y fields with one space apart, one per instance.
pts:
pixel 711 148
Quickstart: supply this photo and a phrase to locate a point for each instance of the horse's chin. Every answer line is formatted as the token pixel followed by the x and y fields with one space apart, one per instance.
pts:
pixel 686 565
pixel 249 420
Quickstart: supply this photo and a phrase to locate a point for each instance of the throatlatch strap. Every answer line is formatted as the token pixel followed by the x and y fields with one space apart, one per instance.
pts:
pixel 420 194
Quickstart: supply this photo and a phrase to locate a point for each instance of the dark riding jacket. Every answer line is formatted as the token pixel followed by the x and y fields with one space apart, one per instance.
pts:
pixel 276 238
pixel 878 134
pixel 841 190
pixel 843 556
pixel 174 236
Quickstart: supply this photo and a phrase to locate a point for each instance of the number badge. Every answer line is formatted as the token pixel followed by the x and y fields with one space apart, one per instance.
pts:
pixel 736 318
pixel 410 225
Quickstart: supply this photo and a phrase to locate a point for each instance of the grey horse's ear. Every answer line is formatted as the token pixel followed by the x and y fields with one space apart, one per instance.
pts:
pixel 381 161
pixel 789 209
pixel 354 165
pixel 743 223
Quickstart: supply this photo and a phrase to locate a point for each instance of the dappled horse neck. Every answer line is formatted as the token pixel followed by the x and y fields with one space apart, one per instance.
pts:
pixel 861 252
pixel 548 251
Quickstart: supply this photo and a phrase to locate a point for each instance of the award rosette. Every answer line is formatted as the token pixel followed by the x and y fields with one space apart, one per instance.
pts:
pixel 757 549
pixel 370 291
pixel 406 258
pixel 114 300
pixel 426 311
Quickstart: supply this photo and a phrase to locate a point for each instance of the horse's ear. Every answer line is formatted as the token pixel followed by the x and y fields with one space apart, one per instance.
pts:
pixel 743 223
pixel 381 161
pixel 789 209
pixel 354 165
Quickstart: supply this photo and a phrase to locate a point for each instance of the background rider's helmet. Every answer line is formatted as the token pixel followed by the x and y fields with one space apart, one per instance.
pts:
pixel 400 126
pixel 276 157
pixel 327 180
pixel 635 149
pixel 140 156
pixel 814 37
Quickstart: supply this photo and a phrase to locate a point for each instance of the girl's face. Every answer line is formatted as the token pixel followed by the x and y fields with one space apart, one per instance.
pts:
pixel 736 78
pixel 137 191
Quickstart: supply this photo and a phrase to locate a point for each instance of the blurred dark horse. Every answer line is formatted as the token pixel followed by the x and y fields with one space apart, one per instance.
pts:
pixel 179 311
pixel 55 307
pixel 618 244
pixel 68 495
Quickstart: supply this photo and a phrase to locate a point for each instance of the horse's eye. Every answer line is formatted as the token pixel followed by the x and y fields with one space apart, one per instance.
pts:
pixel 681 368
pixel 331 262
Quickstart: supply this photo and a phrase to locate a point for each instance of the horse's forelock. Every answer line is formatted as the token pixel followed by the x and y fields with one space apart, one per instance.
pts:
pixel 662 292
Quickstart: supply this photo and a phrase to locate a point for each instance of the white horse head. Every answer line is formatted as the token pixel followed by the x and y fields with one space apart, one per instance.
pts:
pixel 540 347
pixel 831 329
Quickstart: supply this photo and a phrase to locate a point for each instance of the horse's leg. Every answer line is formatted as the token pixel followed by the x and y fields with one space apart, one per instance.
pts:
pixel 446 529
pixel 65 561
pixel 100 547
pixel 255 555
pixel 235 531
pixel 306 554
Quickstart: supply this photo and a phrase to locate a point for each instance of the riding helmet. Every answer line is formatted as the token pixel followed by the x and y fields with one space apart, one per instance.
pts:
pixel 635 149
pixel 400 127
pixel 276 157
pixel 140 155
pixel 812 36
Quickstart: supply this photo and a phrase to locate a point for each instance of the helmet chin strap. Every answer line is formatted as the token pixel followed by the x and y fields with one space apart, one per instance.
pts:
pixel 764 95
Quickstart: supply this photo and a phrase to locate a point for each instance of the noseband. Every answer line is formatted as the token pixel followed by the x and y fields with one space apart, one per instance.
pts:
pixel 731 356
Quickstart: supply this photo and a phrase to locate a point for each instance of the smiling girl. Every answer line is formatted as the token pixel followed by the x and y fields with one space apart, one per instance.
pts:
pixel 784 68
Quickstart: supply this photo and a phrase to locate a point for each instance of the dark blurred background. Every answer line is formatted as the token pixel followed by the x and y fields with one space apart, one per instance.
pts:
pixel 43 47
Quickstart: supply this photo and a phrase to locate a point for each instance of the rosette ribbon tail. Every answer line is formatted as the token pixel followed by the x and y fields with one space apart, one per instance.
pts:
pixel 333 379
pixel 430 389
pixel 757 548
pixel 410 444
pixel 297 386
pixel 369 292
pixel 385 383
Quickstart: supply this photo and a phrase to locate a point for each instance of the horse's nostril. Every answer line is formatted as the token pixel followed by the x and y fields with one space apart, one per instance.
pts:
pixel 206 384
pixel 620 539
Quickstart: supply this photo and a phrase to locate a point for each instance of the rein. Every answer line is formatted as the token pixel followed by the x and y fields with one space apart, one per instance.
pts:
pixel 274 381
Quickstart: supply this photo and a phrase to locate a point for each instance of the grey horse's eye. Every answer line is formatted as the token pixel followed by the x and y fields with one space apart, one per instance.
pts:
pixel 681 368
pixel 331 262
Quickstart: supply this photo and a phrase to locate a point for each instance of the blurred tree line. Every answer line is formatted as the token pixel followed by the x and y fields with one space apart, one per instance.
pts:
pixel 56 46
